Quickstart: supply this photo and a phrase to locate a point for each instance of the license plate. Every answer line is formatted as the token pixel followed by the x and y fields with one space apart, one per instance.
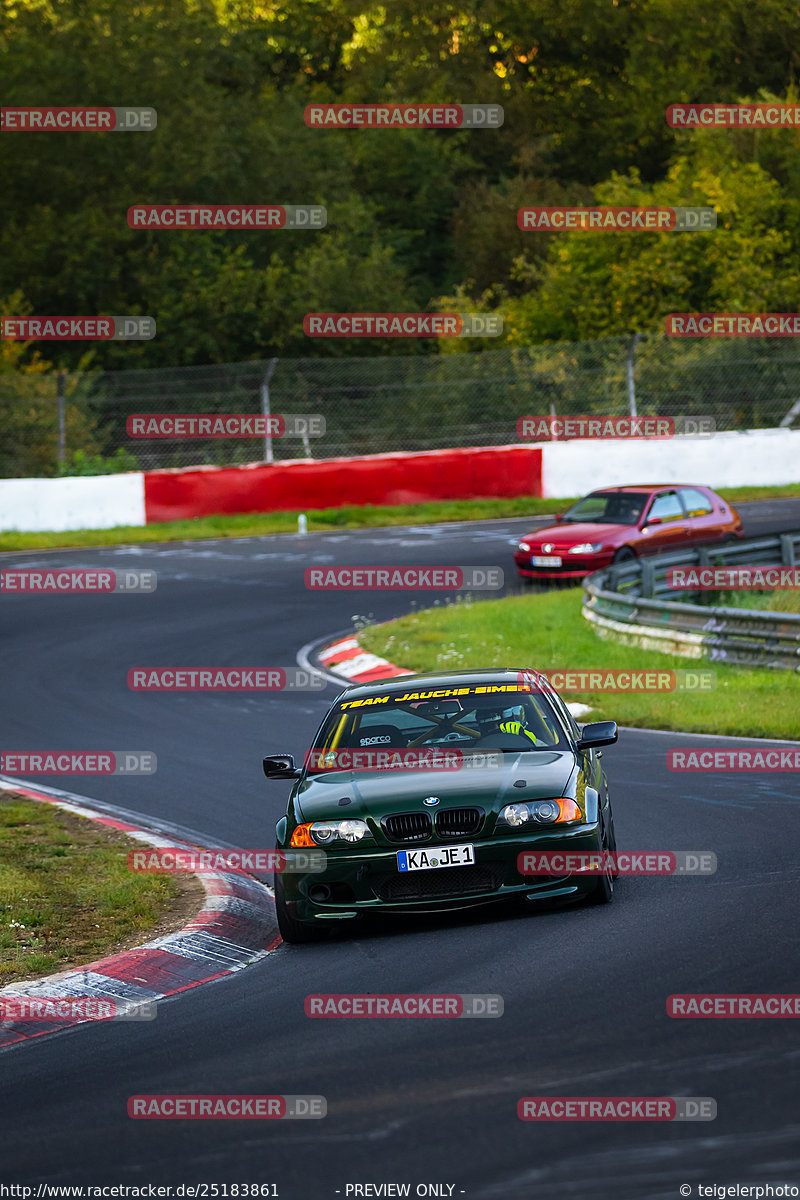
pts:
pixel 441 856
pixel 546 560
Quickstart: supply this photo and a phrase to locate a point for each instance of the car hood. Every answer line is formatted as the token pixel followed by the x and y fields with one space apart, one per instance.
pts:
pixel 376 793
pixel 569 534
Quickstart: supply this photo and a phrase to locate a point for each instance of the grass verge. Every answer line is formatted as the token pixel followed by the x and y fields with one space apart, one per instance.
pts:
pixel 67 896
pixel 546 630
pixel 366 516
pixel 780 601
pixel 238 525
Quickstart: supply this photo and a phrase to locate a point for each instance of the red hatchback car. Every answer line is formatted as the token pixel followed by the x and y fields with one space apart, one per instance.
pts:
pixel 619 523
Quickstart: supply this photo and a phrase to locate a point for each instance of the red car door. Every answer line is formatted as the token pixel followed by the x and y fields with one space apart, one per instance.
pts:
pixel 664 524
pixel 706 521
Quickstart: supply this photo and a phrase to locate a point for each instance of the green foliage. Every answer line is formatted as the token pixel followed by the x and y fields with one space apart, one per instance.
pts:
pixel 415 217
pixel 81 463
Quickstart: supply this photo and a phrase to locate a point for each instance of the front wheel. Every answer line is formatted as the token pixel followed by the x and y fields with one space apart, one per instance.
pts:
pixel 603 891
pixel 296 933
pixel 623 555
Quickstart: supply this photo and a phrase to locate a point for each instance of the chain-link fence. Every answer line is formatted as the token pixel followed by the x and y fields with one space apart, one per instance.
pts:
pixel 373 405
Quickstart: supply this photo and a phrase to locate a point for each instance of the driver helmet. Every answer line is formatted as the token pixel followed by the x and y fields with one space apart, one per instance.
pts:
pixel 488 718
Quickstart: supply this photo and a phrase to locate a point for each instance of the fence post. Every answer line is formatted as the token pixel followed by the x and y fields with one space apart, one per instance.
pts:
pixel 62 435
pixel 631 388
pixel 268 455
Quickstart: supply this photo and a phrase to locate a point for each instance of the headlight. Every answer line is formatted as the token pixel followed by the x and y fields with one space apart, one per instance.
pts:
pixel 524 546
pixel 539 812
pixel 586 548
pixel 324 833
pixel 353 831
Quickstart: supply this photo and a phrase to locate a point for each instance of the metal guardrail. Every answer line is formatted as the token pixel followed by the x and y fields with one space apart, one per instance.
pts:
pixel 626 601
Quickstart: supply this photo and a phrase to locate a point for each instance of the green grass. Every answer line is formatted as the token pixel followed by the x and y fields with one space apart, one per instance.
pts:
pixel 66 894
pixel 780 601
pixel 242 525
pixel 366 516
pixel 546 630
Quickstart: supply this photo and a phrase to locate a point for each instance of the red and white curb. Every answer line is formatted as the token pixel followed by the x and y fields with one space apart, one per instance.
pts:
pixel 235 927
pixel 348 660
pixel 356 665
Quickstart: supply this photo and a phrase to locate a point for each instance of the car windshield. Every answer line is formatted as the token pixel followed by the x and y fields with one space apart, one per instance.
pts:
pixel 609 508
pixel 511 721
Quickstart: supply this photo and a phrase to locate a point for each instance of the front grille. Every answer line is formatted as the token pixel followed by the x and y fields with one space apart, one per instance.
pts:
pixel 448 881
pixel 407 827
pixel 458 822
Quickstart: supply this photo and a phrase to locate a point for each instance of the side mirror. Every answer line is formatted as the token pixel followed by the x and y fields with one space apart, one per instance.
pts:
pixel 281 766
pixel 654 521
pixel 601 733
pixel 559 516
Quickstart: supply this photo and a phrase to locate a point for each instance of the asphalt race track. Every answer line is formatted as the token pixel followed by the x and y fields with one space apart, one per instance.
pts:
pixel 417 1102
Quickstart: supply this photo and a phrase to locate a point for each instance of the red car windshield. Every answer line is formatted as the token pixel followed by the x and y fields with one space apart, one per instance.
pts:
pixel 609 508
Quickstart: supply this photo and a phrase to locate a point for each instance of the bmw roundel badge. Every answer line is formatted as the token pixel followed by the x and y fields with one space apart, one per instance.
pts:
pixel 431 800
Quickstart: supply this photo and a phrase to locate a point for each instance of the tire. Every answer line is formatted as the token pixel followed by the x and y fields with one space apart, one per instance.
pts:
pixel 612 843
pixel 296 933
pixel 624 554
pixel 603 892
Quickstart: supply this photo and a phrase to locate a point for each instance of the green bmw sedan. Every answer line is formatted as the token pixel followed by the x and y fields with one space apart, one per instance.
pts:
pixel 442 791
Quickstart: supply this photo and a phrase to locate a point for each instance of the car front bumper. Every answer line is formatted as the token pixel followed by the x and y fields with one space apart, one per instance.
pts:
pixel 360 881
pixel 574 566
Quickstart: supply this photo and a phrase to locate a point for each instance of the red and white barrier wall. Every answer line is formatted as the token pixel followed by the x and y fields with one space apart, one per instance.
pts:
pixel 90 502
pixel 759 457
pixel 557 469
pixel 334 482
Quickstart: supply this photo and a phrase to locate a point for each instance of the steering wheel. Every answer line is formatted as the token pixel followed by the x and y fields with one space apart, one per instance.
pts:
pixel 505 741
